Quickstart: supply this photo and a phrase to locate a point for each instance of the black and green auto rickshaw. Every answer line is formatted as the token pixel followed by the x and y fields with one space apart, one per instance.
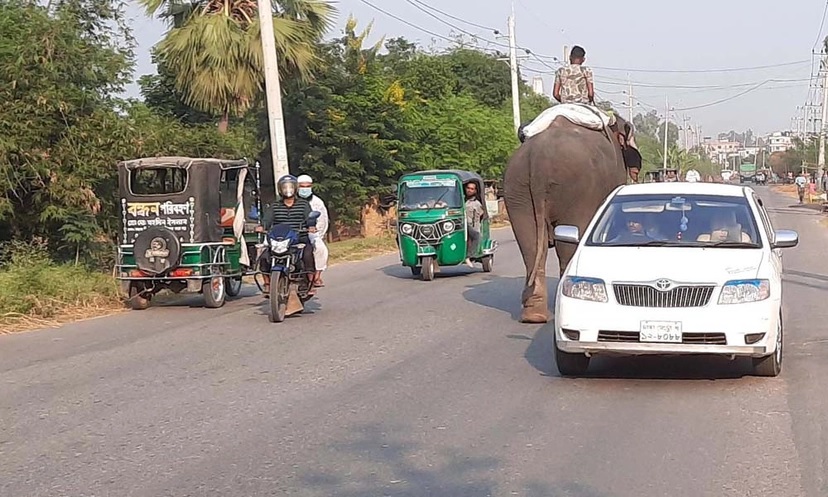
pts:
pixel 431 222
pixel 187 226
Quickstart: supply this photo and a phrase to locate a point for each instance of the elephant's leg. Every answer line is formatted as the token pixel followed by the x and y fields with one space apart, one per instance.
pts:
pixel 530 238
pixel 565 251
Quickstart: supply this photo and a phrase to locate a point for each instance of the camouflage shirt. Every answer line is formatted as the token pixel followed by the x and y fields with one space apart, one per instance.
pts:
pixel 573 80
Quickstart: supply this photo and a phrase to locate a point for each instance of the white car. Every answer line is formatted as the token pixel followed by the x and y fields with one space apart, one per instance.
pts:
pixel 669 269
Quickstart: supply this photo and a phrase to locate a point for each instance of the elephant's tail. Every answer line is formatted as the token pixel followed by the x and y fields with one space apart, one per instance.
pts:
pixel 537 195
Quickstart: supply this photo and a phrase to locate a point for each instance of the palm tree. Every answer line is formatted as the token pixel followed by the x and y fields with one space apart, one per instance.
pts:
pixel 214 48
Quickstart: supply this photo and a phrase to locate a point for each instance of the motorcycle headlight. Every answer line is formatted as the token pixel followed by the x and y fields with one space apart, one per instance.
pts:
pixel 279 246
pixel 448 226
pixel 592 289
pixel 744 291
pixel 407 229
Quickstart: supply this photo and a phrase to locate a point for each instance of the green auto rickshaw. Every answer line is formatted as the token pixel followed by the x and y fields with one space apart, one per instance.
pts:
pixel 188 225
pixel 432 230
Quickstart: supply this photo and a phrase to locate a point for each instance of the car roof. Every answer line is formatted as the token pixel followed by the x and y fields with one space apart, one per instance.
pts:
pixel 684 188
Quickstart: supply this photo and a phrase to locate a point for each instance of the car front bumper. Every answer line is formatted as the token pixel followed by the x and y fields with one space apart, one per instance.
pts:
pixel 612 329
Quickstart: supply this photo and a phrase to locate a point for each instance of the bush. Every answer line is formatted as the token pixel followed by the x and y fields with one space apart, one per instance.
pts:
pixel 33 287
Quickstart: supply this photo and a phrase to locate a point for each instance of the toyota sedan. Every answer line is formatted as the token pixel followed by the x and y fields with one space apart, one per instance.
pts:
pixel 673 269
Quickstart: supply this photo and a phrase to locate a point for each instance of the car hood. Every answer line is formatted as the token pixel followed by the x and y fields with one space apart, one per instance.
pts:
pixel 688 264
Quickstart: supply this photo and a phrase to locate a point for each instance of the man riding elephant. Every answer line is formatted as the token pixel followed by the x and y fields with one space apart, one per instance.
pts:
pixel 560 175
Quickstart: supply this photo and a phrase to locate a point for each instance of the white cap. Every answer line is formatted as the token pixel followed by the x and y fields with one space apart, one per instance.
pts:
pixel 304 178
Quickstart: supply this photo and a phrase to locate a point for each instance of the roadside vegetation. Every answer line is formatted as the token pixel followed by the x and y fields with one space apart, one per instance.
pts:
pixel 358 113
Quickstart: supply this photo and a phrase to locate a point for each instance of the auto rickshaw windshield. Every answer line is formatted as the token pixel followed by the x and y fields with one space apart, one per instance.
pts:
pixel 415 195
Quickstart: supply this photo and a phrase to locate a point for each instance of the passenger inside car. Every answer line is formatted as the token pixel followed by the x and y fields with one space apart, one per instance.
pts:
pixel 724 227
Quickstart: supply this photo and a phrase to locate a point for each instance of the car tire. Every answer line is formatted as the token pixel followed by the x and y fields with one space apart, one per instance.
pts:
pixel 427 272
pixel 771 366
pixel 233 286
pixel 570 364
pixel 214 291
pixel 137 302
pixel 488 261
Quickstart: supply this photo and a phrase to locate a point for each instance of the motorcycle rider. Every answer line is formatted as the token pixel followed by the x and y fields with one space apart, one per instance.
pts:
pixel 293 211
pixel 320 249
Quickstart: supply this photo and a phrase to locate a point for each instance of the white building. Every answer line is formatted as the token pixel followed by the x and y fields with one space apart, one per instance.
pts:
pixel 779 142
pixel 719 151
pixel 537 85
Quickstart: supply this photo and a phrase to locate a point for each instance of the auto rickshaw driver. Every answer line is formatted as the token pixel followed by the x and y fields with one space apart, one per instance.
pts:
pixel 474 214
pixel 292 210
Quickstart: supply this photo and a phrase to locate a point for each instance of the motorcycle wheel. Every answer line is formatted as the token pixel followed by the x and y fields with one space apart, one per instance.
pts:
pixel 279 286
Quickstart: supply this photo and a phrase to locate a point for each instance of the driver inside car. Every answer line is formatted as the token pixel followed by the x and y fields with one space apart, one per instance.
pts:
pixel 293 211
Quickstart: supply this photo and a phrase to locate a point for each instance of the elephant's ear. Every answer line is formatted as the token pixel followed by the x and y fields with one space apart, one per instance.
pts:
pixel 629 131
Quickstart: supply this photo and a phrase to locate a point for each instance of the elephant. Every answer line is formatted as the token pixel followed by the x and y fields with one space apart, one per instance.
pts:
pixel 561 176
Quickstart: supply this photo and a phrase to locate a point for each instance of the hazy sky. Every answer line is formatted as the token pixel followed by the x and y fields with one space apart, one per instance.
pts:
pixel 631 35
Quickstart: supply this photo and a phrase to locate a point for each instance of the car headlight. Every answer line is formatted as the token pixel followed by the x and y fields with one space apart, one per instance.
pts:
pixel 279 246
pixel 448 226
pixel 406 229
pixel 592 289
pixel 744 291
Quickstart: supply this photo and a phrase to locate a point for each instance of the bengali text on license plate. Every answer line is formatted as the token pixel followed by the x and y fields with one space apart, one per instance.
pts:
pixel 660 331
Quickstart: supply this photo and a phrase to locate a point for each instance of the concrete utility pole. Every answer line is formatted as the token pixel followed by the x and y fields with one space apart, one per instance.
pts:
pixel 632 100
pixel 273 91
pixel 514 68
pixel 685 120
pixel 666 125
pixel 821 159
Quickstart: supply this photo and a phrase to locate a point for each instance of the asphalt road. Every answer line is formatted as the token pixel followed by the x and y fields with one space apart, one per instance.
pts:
pixel 393 386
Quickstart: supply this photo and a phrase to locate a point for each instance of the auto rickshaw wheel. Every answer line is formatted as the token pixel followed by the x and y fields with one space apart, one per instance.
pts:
pixel 215 292
pixel 416 270
pixel 427 273
pixel 279 288
pixel 137 300
pixel 233 285
pixel 487 263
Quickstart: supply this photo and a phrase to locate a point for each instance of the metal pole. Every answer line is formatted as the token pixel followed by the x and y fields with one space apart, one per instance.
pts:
pixel 514 68
pixel 273 91
pixel 632 101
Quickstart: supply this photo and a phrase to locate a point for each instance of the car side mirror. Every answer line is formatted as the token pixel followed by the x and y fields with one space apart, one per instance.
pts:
pixel 567 234
pixel 786 239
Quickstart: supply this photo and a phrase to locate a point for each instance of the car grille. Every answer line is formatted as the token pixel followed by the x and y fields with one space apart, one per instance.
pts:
pixel 432 232
pixel 647 296
pixel 687 338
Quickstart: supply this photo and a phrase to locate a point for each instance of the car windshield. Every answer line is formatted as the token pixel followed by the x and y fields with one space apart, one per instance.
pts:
pixel 429 194
pixel 676 220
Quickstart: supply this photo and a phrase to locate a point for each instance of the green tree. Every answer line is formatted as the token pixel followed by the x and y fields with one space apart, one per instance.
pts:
pixel 214 49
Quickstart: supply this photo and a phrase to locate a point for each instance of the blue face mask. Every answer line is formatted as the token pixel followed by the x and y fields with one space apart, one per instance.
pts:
pixel 305 192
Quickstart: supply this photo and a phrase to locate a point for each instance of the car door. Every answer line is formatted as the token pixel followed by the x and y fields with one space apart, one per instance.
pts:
pixel 764 218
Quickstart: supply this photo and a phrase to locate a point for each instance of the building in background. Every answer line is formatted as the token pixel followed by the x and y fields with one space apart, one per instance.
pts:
pixel 779 142
pixel 537 85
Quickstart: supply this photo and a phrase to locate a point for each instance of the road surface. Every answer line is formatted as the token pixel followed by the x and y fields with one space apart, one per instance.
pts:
pixel 399 387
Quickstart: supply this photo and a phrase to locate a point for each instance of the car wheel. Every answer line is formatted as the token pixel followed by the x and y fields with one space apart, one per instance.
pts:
pixel 214 292
pixel 487 263
pixel 138 301
pixel 427 272
pixel 771 365
pixel 570 364
pixel 233 286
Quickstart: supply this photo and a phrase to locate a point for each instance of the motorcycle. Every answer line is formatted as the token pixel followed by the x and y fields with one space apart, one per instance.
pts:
pixel 289 282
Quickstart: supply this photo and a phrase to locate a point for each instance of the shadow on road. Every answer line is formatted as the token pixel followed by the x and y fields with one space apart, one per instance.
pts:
pixel 196 300
pixel 404 273
pixel 385 460
pixel 503 294
pixel 541 355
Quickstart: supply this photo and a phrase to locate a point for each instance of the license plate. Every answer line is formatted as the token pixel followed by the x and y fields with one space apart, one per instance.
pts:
pixel 660 331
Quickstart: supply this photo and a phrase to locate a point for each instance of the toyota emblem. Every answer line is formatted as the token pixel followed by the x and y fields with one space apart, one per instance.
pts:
pixel 663 284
